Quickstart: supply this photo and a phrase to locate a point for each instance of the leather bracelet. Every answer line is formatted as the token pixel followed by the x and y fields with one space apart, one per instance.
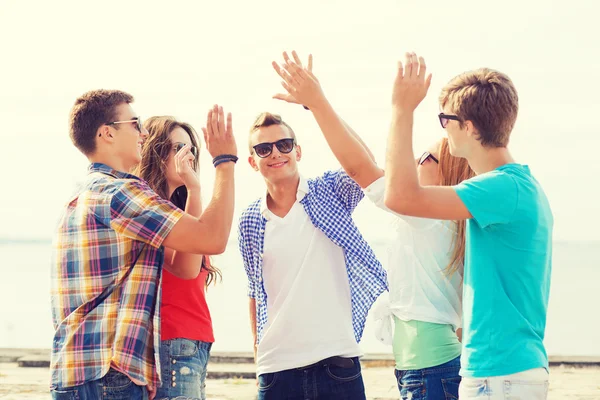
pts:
pixel 219 157
pixel 224 158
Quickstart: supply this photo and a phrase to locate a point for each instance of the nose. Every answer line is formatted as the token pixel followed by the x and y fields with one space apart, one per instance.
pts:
pixel 144 133
pixel 275 152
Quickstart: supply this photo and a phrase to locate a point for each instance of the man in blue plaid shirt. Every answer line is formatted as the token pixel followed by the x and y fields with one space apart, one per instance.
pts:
pixel 312 277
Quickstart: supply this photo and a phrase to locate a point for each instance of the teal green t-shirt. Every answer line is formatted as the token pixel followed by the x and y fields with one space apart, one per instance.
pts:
pixel 508 260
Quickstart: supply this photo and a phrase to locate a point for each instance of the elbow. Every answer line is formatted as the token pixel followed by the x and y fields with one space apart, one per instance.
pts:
pixel 397 203
pixel 216 247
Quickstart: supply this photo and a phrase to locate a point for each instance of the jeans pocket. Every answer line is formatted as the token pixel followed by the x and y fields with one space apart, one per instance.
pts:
pixel 182 348
pixel 65 394
pixel 521 390
pixel 267 381
pixel 450 386
pixel 115 381
pixel 472 389
pixel 341 374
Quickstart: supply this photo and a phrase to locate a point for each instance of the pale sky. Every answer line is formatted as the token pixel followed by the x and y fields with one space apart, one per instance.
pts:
pixel 179 58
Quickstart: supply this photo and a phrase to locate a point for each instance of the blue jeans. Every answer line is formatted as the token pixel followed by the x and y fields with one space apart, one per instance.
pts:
pixel 113 386
pixel 434 383
pixel 183 369
pixel 311 383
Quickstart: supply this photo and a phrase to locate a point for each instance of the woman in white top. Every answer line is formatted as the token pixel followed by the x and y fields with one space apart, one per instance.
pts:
pixel 425 279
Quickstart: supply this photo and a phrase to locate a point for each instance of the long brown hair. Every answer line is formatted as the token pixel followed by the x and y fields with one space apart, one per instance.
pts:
pixel 454 170
pixel 152 169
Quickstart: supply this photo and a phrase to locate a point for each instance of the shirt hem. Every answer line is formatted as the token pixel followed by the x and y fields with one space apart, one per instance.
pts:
pixel 489 373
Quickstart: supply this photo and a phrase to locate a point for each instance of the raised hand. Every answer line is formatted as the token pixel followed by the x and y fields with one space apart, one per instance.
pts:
pixel 184 161
pixel 301 85
pixel 218 135
pixel 410 86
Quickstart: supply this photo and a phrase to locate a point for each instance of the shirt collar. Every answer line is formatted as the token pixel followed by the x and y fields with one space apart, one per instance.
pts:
pixel 302 191
pixel 105 169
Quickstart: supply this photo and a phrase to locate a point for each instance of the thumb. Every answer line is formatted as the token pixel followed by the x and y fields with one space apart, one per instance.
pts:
pixel 428 82
pixel 285 97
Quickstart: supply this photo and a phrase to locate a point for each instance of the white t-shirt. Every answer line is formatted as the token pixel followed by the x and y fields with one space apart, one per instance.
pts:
pixel 308 294
pixel 417 258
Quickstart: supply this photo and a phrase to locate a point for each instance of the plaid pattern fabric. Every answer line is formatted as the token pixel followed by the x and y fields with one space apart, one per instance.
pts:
pixel 329 204
pixel 104 309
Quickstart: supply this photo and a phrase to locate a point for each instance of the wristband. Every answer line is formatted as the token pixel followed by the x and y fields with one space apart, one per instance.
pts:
pixel 224 158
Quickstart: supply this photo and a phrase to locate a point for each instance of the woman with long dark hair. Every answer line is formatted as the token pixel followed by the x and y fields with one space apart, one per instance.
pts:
pixel 186 326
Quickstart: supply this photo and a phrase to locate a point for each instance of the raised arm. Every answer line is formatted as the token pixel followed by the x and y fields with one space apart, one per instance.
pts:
pixel 303 87
pixel 209 233
pixel 403 193
pixel 186 265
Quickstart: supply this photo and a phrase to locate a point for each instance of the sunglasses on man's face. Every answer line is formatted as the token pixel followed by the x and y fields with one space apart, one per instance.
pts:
pixel 265 149
pixel 427 155
pixel 179 145
pixel 137 120
pixel 445 118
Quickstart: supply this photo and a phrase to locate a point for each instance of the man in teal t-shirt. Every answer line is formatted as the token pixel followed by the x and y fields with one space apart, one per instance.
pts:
pixel 507 272
pixel 508 254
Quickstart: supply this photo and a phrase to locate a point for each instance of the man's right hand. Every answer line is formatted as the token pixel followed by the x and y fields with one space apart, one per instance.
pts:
pixel 218 135
pixel 301 85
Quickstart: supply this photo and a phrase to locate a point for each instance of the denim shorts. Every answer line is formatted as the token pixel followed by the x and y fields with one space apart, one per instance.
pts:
pixel 183 369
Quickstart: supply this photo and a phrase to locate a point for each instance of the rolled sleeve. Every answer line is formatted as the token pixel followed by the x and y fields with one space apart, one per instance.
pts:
pixel 345 188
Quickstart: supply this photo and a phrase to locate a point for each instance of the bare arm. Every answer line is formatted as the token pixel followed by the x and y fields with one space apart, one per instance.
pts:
pixel 403 193
pixel 252 309
pixel 186 265
pixel 352 153
pixel 209 233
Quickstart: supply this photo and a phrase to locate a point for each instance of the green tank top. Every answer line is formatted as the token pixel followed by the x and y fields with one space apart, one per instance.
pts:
pixel 419 344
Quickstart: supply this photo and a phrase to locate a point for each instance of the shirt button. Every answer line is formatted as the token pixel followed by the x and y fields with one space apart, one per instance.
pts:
pixel 174 361
pixel 174 379
pixel 173 373
pixel 174 384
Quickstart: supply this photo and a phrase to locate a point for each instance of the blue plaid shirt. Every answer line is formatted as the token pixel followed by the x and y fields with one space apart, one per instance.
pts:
pixel 329 203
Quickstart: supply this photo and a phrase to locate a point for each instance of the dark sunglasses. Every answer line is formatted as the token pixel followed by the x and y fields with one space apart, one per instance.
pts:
pixel 179 145
pixel 445 118
pixel 284 146
pixel 426 156
pixel 137 120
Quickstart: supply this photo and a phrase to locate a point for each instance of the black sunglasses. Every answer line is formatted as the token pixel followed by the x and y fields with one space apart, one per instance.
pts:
pixel 179 145
pixel 426 156
pixel 137 120
pixel 445 118
pixel 284 146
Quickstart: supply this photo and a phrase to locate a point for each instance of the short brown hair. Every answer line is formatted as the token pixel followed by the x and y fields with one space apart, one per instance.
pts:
pixel 266 119
pixel 488 99
pixel 90 111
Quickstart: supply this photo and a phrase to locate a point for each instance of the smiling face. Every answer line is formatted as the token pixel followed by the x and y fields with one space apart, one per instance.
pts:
pixel 276 167
pixel 128 139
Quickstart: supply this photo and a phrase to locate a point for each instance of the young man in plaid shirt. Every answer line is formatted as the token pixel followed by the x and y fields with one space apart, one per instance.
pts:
pixel 108 252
